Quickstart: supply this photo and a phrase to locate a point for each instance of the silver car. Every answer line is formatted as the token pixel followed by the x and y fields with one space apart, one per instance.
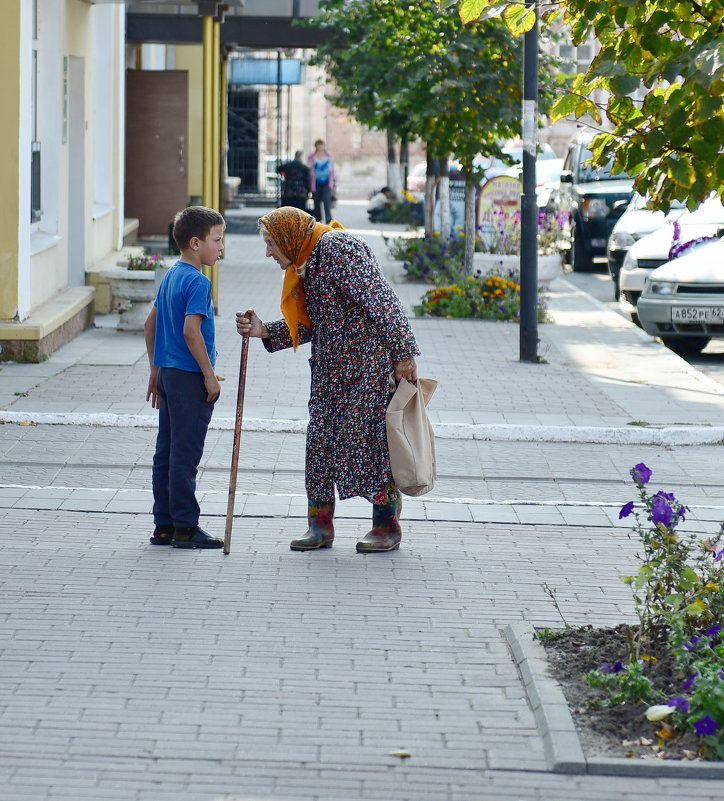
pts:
pixel 683 300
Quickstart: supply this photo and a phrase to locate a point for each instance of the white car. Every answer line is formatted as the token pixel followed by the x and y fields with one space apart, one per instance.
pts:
pixel 683 300
pixel 632 225
pixel 653 250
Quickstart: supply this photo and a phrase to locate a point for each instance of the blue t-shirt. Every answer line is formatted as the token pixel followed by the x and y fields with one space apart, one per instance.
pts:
pixel 322 168
pixel 184 290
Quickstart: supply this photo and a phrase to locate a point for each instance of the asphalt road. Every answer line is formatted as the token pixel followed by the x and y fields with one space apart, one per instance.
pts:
pixel 598 284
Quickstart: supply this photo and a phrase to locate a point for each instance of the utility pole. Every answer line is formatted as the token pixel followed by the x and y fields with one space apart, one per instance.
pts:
pixel 529 204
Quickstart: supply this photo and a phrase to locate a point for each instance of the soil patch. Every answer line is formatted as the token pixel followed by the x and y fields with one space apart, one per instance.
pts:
pixel 620 731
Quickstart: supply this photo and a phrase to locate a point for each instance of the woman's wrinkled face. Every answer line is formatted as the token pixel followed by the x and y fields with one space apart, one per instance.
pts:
pixel 273 251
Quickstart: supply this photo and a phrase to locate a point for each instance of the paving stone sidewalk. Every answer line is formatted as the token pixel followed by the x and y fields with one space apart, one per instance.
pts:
pixel 143 674
pixel 132 672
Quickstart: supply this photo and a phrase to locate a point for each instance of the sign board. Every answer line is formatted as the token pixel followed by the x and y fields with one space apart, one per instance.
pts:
pixel 499 214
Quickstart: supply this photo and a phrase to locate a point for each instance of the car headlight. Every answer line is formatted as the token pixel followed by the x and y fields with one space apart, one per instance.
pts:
pixel 629 262
pixel 593 208
pixel 621 240
pixel 660 287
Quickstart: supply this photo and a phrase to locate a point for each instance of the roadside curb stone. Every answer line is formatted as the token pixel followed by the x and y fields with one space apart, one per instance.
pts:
pixel 494 432
pixel 561 742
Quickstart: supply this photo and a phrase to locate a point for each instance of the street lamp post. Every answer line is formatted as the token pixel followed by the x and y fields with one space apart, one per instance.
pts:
pixel 529 204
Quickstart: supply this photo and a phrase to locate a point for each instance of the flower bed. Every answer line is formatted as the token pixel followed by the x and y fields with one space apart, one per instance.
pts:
pixel 484 297
pixel 671 670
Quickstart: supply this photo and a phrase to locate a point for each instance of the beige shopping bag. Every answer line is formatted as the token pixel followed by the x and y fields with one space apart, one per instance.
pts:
pixel 410 437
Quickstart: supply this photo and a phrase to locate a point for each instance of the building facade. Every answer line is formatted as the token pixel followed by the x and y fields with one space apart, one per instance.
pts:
pixel 61 166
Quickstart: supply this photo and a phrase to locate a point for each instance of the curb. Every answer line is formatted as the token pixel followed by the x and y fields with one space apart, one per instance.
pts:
pixel 493 432
pixel 561 743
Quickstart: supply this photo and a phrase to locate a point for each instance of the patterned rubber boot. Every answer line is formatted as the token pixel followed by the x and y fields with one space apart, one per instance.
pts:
pixel 386 533
pixel 320 518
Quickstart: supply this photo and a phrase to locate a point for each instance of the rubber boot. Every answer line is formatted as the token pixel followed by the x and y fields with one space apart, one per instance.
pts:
pixel 386 533
pixel 320 534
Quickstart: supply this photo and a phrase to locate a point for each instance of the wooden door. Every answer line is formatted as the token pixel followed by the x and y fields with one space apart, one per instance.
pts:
pixel 156 137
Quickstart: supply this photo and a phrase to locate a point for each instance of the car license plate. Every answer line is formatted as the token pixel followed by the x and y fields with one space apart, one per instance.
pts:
pixel 697 314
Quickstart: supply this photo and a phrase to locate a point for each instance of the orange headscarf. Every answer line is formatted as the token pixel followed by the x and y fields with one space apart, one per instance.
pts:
pixel 295 233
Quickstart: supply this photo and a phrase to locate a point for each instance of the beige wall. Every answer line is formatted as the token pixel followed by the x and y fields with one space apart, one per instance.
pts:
pixel 190 58
pixel 34 259
pixel 9 147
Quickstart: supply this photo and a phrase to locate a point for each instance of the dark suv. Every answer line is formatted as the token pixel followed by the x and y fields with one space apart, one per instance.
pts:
pixel 591 200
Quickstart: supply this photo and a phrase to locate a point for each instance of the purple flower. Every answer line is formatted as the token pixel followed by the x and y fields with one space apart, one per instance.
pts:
pixel 669 496
pixel 690 645
pixel 680 703
pixel 718 556
pixel 626 510
pixel 706 725
pixel 641 474
pixel 661 512
pixel 713 631
pixel 689 683
pixel 681 511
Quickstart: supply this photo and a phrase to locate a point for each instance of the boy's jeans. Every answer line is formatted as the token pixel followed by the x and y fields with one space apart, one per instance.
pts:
pixel 183 419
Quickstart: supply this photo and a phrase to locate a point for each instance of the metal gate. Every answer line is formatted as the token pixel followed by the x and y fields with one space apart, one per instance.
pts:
pixel 243 133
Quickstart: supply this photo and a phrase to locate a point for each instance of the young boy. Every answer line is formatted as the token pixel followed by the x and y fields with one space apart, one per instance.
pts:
pixel 180 340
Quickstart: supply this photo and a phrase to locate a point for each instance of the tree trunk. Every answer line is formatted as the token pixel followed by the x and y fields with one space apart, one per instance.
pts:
pixel 469 222
pixel 444 198
pixel 430 185
pixel 393 167
pixel 404 160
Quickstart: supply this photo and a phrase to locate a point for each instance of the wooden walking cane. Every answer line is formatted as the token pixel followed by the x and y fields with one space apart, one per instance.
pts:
pixel 237 442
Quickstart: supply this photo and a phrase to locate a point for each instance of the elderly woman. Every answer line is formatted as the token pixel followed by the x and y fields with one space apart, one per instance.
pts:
pixel 336 297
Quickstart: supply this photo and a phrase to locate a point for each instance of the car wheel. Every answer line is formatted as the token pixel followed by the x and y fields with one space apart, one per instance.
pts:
pixel 686 346
pixel 581 260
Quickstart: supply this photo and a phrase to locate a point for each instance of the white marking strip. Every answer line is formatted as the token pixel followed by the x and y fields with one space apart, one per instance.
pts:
pixel 622 435
pixel 425 499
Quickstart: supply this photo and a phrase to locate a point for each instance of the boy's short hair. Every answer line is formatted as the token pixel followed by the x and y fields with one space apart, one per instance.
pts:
pixel 194 221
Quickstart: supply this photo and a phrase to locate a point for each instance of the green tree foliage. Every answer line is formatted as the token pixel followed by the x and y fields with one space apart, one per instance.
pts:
pixel 409 68
pixel 662 64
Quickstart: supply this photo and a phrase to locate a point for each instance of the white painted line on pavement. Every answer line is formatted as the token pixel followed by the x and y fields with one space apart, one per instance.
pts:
pixel 493 432
pixel 408 499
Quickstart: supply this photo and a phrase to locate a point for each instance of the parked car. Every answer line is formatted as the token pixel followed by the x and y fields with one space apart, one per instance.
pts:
pixel 590 201
pixel 416 181
pixel 652 250
pixel 418 175
pixel 683 300
pixel 548 171
pixel 634 223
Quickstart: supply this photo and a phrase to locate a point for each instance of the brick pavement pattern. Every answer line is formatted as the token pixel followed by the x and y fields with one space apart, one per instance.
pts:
pixel 144 674
pixel 140 673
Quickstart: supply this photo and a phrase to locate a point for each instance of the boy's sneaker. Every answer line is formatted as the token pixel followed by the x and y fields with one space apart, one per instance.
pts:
pixel 194 537
pixel 162 535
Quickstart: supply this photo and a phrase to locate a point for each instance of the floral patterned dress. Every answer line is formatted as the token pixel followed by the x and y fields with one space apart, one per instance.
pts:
pixel 359 330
